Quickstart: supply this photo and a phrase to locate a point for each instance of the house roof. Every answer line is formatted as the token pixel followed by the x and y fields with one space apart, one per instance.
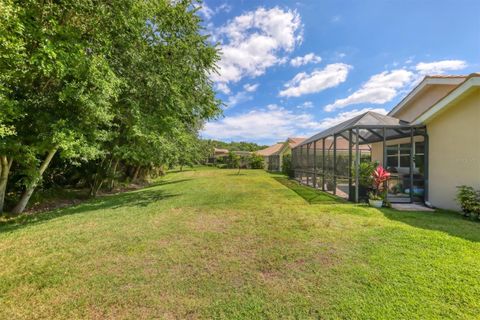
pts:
pixel 365 120
pixel 470 83
pixel 292 142
pixel 270 150
pixel 216 150
pixel 277 148
pixel 242 153
pixel 427 82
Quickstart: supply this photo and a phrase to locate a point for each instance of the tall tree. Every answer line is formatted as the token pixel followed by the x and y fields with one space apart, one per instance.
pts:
pixel 101 81
pixel 67 86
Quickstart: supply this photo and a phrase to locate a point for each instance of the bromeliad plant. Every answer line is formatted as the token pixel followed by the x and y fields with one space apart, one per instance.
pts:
pixel 379 176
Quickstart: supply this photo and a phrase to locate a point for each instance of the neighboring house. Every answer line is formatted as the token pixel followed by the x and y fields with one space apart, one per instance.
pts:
pixel 244 158
pixel 430 142
pixel 219 153
pixel 273 155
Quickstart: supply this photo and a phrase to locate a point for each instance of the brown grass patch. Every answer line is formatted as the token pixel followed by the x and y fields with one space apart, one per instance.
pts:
pixel 209 223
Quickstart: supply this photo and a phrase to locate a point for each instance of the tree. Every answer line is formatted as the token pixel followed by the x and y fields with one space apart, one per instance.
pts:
pixel 103 86
pixel 12 61
pixel 256 161
pixel 67 87
pixel 234 161
pixel 287 167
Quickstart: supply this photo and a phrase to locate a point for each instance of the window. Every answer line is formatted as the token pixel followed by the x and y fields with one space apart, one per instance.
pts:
pixel 420 156
pixel 392 156
pixel 398 155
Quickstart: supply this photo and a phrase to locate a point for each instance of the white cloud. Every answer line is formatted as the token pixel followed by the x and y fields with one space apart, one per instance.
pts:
pixel 410 60
pixel 237 98
pixel 224 7
pixel 380 88
pixel 250 87
pixel 308 58
pixel 255 41
pixel 269 124
pixel 329 122
pixel 241 96
pixel 274 123
pixel 440 67
pixel 305 105
pixel 222 87
pixel 316 81
pixel 208 12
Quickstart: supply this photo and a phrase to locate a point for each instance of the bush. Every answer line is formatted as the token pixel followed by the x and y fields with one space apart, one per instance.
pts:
pixel 256 162
pixel 287 167
pixel 366 170
pixel 469 200
pixel 233 160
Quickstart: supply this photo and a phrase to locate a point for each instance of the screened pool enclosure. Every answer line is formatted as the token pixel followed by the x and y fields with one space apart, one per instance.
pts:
pixel 333 160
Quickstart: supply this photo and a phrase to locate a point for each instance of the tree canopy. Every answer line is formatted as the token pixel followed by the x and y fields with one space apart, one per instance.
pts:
pixel 102 85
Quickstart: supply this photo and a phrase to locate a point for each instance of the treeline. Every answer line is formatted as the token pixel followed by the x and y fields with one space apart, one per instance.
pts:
pixel 95 92
pixel 237 146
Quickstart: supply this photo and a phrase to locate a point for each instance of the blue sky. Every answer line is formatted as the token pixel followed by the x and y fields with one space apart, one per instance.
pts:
pixel 294 68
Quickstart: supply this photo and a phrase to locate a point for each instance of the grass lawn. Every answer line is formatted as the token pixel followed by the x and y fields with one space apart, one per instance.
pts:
pixel 212 244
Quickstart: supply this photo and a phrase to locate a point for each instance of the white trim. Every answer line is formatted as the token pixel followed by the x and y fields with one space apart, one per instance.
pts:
pixel 454 95
pixel 425 82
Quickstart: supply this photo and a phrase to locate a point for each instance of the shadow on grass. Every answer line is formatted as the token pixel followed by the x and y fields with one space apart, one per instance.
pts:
pixel 310 195
pixel 448 222
pixel 164 183
pixel 138 198
pixel 178 170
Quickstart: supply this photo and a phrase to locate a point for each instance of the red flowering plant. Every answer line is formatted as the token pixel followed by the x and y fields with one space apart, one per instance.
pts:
pixel 379 176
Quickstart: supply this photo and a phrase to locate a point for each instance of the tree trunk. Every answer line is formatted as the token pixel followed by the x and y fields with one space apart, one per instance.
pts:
pixel 135 175
pixel 111 183
pixel 6 164
pixel 22 203
pixel 97 178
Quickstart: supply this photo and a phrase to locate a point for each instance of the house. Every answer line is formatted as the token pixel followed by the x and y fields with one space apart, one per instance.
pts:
pixel 273 155
pixel 449 108
pixel 430 142
pixel 218 154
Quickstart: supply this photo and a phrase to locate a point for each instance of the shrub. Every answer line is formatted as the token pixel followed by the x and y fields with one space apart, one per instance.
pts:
pixel 233 160
pixel 379 177
pixel 256 162
pixel 469 200
pixel 365 177
pixel 287 167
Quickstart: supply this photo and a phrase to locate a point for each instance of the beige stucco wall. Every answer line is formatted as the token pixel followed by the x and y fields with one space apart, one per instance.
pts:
pixel 454 152
pixel 423 101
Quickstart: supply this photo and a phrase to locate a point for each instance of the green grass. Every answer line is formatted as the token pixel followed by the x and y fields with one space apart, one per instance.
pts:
pixel 310 195
pixel 210 243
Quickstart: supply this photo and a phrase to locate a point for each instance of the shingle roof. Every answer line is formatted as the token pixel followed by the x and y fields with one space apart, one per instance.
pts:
pixel 217 150
pixel 270 150
pixel 292 142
